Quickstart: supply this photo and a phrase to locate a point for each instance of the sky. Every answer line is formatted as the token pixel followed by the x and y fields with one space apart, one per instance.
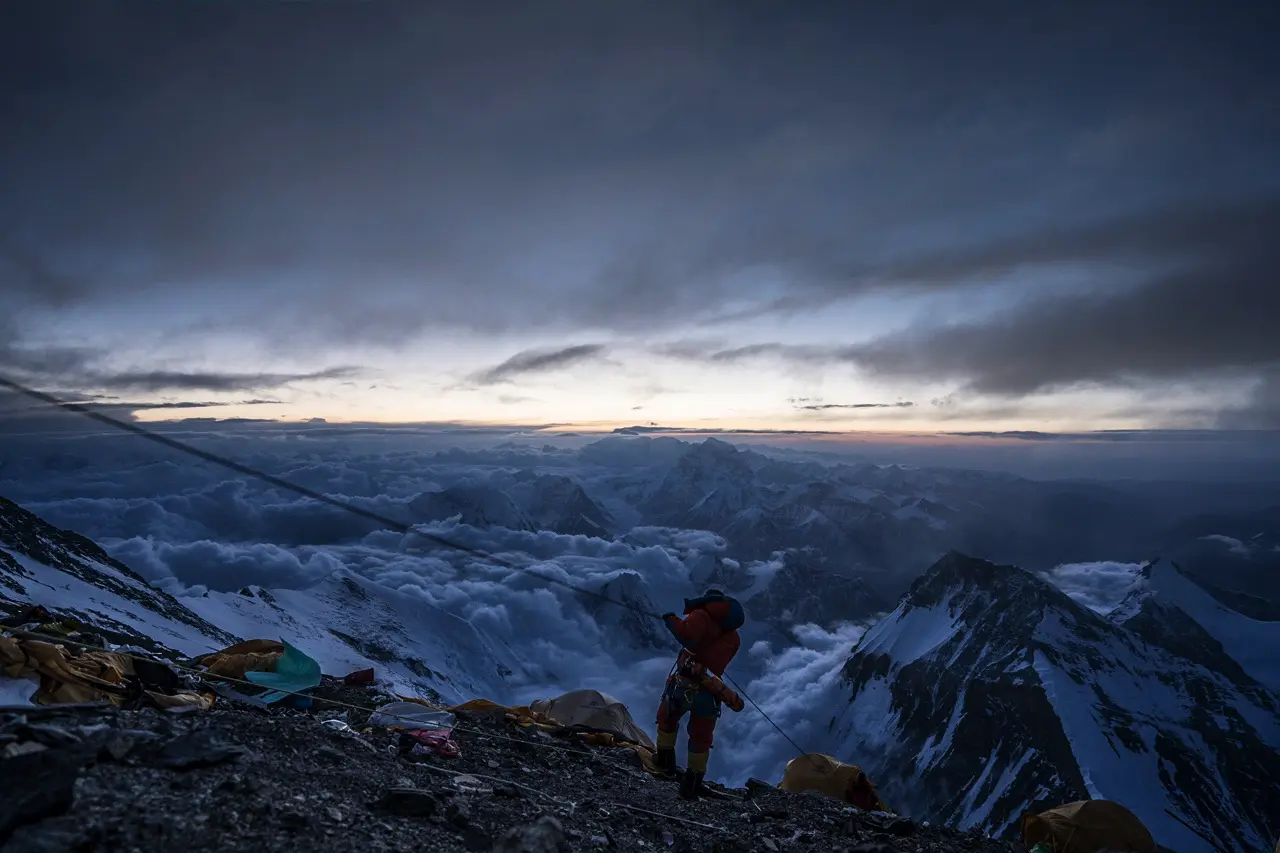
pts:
pixel 727 215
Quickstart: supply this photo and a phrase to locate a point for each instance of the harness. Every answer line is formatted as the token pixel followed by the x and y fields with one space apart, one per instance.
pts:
pixel 689 677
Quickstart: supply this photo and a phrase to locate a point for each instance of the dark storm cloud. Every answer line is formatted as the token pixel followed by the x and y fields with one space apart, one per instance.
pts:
pixel 1207 305
pixel 161 380
pixel 82 367
pixel 28 359
pixel 1262 411
pixel 38 365
pixel 367 170
pixel 100 403
pixel 538 361
pixel 24 271
pixel 811 406
pixel 1211 309
pixel 20 415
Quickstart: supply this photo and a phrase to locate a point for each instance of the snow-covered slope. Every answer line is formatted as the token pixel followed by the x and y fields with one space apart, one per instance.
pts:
pixel 988 692
pixel 1252 643
pixel 348 623
pixel 707 487
pixel 859 517
pixel 525 501
pixel 40 564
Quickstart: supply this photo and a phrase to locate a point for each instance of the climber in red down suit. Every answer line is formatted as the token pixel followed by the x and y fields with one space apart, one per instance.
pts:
pixel 709 635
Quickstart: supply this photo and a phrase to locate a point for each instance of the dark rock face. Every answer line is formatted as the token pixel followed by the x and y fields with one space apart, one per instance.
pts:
pixel 512 789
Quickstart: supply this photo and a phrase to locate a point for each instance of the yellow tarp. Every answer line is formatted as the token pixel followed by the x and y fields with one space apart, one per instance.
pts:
pixel 187 699
pixel 833 778
pixel 1087 826
pixel 249 656
pixel 596 712
pixel 523 715
pixel 66 677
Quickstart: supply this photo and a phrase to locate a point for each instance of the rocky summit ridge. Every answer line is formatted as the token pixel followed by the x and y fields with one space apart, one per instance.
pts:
pixel 85 779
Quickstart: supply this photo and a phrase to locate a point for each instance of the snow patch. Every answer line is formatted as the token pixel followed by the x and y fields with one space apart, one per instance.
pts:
pixel 907 635
pixel 58 590
pixel 1253 644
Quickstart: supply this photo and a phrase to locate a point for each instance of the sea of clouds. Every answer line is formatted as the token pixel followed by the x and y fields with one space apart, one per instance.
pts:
pixel 188 526
pixel 1100 586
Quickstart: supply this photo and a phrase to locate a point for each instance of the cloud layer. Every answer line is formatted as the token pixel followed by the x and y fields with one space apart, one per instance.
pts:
pixel 188 530
pixel 538 361
pixel 1098 586
pixel 633 173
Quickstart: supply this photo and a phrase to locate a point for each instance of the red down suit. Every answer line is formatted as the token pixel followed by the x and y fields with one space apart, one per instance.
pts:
pixel 709 632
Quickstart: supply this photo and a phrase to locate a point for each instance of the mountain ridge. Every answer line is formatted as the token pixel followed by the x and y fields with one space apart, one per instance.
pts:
pixel 988 692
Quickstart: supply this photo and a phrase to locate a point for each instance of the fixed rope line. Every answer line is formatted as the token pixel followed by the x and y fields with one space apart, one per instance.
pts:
pixel 388 522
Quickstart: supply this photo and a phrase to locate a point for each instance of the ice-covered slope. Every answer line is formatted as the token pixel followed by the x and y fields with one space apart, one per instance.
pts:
pixel 988 692
pixel 40 564
pixel 1252 643
pixel 561 504
pixel 348 623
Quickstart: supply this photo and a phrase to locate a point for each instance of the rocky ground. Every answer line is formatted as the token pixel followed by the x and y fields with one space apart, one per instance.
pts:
pixel 245 780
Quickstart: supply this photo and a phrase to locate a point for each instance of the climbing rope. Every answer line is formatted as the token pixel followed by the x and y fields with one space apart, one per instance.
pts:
pixel 386 521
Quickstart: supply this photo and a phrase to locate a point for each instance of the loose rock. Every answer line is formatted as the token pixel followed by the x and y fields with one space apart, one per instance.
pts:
pixel 545 835
pixel 411 802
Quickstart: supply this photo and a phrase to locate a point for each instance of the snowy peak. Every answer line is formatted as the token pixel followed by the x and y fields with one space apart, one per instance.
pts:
pixel 975 584
pixel 529 501
pixel 988 692
pixel 639 630
pixel 561 504
pixel 346 622
pixel 473 504
pixel 709 484
pixel 72 576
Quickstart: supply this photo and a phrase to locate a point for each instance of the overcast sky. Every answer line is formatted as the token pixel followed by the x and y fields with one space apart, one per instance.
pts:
pixel 824 215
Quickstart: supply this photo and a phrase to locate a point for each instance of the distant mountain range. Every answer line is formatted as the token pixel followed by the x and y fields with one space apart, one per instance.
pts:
pixel 876 523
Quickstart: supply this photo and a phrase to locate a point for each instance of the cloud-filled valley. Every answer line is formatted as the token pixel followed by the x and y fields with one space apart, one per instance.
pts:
pixel 816 550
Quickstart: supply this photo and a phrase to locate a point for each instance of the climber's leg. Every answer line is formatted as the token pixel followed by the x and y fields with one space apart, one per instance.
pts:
pixel 670 710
